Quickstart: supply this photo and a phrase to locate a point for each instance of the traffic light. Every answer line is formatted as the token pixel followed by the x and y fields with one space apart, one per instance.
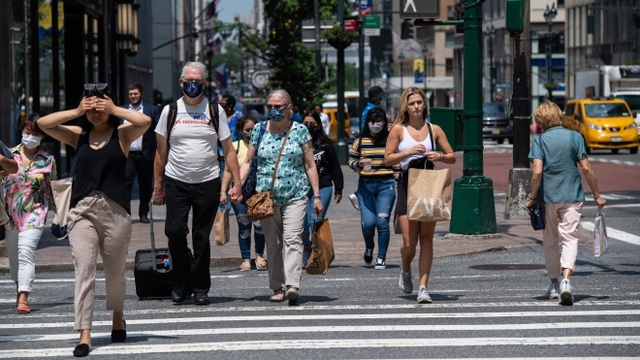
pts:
pixel 407 30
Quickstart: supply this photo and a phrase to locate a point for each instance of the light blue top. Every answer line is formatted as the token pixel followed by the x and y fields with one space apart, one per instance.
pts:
pixel 291 178
pixel 560 151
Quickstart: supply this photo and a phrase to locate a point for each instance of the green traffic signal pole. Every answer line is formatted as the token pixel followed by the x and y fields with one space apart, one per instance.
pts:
pixel 473 210
pixel 341 144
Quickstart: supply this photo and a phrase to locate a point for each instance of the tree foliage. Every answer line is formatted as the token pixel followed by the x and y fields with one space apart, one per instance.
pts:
pixel 293 63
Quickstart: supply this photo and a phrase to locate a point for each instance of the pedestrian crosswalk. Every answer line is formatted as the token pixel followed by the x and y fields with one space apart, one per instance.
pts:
pixel 225 330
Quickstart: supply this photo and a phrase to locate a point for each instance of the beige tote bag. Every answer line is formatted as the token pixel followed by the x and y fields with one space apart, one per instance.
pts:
pixel 429 195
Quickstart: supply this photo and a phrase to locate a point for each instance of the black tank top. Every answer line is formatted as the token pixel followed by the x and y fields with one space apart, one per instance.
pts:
pixel 102 170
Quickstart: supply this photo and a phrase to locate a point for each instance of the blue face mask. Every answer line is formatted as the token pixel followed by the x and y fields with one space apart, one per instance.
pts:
pixel 192 89
pixel 276 114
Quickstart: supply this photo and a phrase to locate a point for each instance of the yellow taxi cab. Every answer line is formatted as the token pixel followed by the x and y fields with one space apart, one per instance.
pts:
pixel 331 109
pixel 604 123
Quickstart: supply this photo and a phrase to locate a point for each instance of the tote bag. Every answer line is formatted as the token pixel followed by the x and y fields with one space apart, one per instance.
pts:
pixel 62 196
pixel 322 253
pixel 429 195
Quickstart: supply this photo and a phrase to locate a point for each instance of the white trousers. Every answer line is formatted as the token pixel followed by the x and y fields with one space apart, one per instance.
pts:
pixel 22 247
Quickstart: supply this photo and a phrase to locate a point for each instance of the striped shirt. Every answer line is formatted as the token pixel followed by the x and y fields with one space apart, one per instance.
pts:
pixel 375 153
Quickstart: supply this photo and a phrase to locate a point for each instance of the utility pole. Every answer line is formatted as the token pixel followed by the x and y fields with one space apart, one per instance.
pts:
pixel 341 144
pixel 492 69
pixel 520 174
pixel 549 15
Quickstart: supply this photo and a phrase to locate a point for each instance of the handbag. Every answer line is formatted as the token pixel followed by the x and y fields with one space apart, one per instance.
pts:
pixel 322 253
pixel 221 227
pixel 61 190
pixel 249 186
pixel 260 205
pixel 600 238
pixel 536 214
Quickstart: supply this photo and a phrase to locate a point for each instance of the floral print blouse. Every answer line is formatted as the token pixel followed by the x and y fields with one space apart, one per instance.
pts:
pixel 291 178
pixel 28 192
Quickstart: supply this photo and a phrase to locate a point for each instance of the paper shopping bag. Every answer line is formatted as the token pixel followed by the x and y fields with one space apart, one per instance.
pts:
pixel 429 195
pixel 600 239
pixel 322 254
pixel 221 227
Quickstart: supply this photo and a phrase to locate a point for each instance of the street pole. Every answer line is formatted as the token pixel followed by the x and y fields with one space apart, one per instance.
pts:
pixel 341 144
pixel 362 103
pixel 549 15
pixel 473 210
pixel 492 69
pixel 401 58
pixel 316 21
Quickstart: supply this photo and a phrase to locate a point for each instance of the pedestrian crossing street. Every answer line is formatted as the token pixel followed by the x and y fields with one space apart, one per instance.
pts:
pixel 482 326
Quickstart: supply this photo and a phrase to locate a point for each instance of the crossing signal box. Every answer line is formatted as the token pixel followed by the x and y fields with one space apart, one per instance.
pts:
pixel 407 30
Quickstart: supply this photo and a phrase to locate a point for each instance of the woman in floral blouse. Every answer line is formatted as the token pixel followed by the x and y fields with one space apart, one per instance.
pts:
pixel 29 198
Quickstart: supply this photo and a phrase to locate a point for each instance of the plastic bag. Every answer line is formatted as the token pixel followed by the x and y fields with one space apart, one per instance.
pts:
pixel 600 240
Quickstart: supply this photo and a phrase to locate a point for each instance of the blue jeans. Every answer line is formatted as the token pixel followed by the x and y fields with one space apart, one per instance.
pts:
pixel 311 218
pixel 244 232
pixel 376 198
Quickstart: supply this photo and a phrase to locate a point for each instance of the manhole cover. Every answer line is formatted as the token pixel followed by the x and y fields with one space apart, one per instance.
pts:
pixel 508 267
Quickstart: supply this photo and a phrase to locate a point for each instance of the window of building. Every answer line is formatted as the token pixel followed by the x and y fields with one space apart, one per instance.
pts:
pixel 449 41
pixel 449 67
pixel 450 13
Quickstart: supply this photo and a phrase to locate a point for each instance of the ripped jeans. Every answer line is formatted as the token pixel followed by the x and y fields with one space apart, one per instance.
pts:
pixel 376 198
pixel 244 232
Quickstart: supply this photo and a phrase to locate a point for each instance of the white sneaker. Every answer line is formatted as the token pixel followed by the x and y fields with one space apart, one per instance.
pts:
pixel 565 292
pixel 405 282
pixel 354 201
pixel 423 296
pixel 552 293
pixel 380 264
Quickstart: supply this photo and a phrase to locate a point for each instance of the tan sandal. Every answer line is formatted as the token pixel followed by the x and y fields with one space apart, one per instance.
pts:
pixel 261 263
pixel 245 266
pixel 278 296
pixel 23 307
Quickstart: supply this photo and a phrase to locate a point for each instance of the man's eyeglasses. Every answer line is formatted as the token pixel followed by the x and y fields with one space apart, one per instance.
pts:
pixel 277 107
pixel 96 89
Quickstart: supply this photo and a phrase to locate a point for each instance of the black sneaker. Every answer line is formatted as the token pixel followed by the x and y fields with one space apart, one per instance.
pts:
pixel 368 256
pixel 380 264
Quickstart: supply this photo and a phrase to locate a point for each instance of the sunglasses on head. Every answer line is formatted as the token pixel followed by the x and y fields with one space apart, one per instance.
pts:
pixel 96 89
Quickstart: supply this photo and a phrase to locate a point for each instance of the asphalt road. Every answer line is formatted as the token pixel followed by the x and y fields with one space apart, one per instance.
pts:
pixel 488 305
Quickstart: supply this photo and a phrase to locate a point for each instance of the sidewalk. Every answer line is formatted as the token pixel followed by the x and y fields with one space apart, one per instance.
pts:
pixel 54 255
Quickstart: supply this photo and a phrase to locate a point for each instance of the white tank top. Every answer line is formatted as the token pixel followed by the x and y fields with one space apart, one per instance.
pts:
pixel 408 142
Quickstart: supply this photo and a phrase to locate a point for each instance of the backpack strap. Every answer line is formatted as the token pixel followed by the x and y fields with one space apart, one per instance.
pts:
pixel 171 118
pixel 215 118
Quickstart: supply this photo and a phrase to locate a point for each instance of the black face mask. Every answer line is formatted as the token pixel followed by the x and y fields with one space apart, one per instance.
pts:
pixel 313 130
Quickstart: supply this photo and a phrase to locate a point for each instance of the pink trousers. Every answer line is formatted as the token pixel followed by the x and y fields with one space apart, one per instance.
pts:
pixel 561 226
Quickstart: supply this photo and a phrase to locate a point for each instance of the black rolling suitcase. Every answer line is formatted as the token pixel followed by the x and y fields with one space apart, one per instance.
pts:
pixel 154 279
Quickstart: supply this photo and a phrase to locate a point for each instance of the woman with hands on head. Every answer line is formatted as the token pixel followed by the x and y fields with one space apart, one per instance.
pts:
pixel 411 143
pixel 296 174
pixel 99 219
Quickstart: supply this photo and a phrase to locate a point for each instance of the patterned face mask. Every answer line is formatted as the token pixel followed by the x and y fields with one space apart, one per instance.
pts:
pixel 275 114
pixel 192 89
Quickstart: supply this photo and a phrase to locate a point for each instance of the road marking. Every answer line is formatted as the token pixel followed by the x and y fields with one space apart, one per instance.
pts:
pixel 610 197
pixel 310 343
pixel 329 329
pixel 128 279
pixel 613 206
pixel 280 317
pixel 614 234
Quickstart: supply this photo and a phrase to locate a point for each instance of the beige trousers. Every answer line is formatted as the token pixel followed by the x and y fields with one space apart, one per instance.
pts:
pixel 284 230
pixel 98 224
pixel 561 225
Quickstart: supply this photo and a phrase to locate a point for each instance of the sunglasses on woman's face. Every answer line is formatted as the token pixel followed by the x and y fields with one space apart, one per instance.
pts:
pixel 93 89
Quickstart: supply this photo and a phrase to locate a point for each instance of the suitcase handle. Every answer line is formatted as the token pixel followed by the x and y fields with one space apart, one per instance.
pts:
pixel 153 242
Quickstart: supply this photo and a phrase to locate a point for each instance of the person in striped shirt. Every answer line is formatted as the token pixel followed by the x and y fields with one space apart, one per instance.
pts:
pixel 376 186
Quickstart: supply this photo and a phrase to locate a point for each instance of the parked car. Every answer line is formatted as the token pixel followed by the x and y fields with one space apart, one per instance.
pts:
pixel 603 123
pixel 496 124
pixel 331 108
